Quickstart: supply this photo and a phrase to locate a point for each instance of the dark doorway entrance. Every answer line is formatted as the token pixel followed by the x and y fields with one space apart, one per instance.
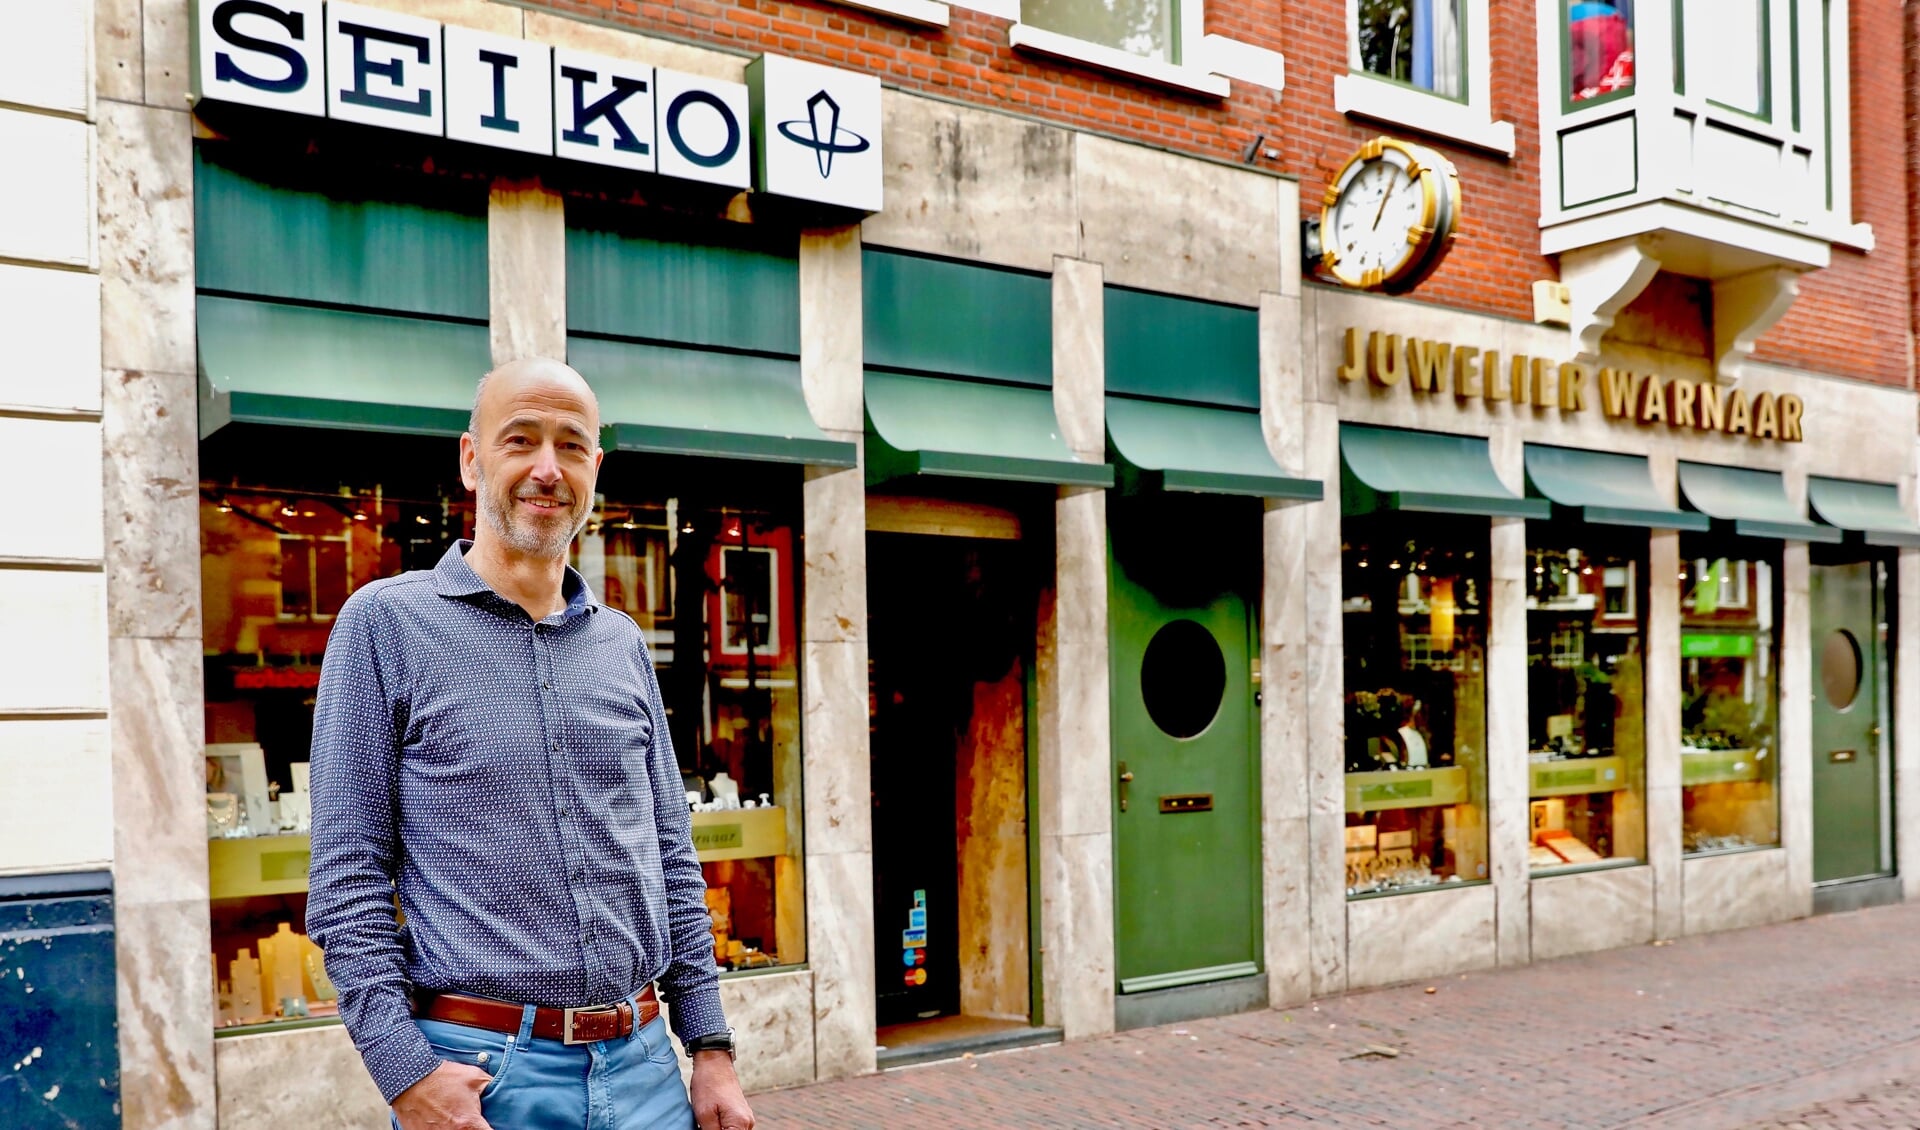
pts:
pixel 950 637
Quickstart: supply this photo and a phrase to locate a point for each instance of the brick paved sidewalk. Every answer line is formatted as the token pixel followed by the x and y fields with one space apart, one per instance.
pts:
pixel 1813 1023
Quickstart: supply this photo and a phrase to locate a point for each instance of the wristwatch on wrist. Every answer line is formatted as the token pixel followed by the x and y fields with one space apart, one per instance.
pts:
pixel 718 1042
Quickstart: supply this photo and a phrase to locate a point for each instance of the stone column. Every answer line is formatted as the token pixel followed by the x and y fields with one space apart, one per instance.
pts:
pixel 526 271
pixel 1075 722
pixel 838 795
pixel 1509 824
pixel 1795 786
pixel 148 413
pixel 1284 800
pixel 1664 813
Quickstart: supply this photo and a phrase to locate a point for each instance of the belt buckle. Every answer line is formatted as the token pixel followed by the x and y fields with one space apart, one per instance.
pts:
pixel 566 1024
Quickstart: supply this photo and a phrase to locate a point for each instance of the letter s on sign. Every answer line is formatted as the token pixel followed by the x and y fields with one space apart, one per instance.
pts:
pixel 226 70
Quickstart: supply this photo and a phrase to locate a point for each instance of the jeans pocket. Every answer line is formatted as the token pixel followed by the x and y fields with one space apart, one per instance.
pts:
pixel 489 1051
pixel 659 1048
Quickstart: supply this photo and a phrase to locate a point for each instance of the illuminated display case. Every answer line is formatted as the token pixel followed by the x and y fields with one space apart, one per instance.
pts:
pixel 1729 694
pixel 1586 697
pixel 1414 614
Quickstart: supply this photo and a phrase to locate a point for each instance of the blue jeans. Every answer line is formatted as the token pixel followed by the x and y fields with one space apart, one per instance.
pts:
pixel 630 1083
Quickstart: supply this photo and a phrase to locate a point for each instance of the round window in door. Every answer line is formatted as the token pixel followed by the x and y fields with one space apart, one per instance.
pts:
pixel 1183 677
pixel 1840 664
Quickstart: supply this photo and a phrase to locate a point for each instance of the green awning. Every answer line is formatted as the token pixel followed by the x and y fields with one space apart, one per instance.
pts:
pixel 1755 503
pixel 1872 510
pixel 271 363
pixel 968 430
pixel 1186 447
pixel 672 401
pixel 1425 473
pixel 1604 488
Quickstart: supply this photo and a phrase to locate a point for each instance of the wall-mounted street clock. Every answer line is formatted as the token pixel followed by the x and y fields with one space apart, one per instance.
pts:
pixel 1388 218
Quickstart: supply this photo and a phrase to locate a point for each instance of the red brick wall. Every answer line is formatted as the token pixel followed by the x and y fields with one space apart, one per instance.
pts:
pixel 1849 320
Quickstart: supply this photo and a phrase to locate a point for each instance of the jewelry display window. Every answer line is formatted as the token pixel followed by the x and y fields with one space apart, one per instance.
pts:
pixel 1729 694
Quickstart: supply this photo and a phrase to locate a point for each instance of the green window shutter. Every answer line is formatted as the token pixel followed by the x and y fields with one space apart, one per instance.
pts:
pixel 1182 349
pixel 941 318
pixel 268 240
pixel 716 294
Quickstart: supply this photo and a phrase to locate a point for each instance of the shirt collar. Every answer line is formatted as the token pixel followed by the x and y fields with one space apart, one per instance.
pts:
pixel 455 578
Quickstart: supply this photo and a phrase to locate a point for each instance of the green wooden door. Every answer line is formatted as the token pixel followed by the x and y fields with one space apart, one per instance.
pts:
pixel 1848 708
pixel 1186 842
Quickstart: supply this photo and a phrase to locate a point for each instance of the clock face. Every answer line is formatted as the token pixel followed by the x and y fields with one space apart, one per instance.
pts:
pixel 1388 218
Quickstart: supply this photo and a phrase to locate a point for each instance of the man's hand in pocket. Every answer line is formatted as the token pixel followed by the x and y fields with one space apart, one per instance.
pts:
pixel 447 1099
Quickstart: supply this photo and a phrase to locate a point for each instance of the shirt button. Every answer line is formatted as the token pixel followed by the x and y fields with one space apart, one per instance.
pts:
pixel 563 812
pixel 556 745
pixel 579 873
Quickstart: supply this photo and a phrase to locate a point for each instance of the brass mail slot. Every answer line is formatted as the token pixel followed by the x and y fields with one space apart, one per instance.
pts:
pixel 1187 802
pixel 1840 755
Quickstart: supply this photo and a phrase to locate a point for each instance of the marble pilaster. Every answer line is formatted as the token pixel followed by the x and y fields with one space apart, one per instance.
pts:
pixel 166 44
pixel 311 1078
pixel 159 788
pixel 152 503
pixel 1664 809
pixel 144 160
pixel 119 64
pixel 1796 729
pixel 839 799
pixel 1324 710
pixel 1076 930
pixel 840 955
pixel 1745 888
pixel 1079 356
pixel 831 350
pixel 1906 724
pixel 1509 825
pixel 165 1010
pixel 774 1013
pixel 526 271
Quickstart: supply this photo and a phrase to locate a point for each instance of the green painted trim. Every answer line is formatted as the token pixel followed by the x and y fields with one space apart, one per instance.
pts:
pixel 1788 531
pixel 1870 512
pixel 1399 469
pixel 1826 102
pixel 968 430
pixel 1678 22
pixel 1194 449
pixel 1604 488
pixel 1793 45
pixel 729 445
pixel 350 415
pixel 1188 977
pixel 1561 140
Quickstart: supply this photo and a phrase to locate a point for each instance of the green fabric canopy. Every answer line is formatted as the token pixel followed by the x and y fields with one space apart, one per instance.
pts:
pixel 271 363
pixel 1604 488
pixel 1186 447
pixel 1425 472
pixel 1755 503
pixel 1871 510
pixel 673 401
pixel 968 430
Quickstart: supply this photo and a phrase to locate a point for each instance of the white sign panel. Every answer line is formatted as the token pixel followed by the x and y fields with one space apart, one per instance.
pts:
pixel 702 129
pixel 383 69
pixel 603 110
pixel 261 54
pixel 499 91
pixel 817 132
pixel 794 129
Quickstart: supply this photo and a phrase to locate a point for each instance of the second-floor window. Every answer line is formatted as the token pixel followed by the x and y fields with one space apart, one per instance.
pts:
pixel 1421 43
pixel 1599 49
pixel 1149 29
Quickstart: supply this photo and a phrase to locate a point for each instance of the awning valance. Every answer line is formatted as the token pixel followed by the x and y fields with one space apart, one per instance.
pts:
pixel 273 363
pixel 968 430
pixel 1186 447
pixel 1604 488
pixel 1425 472
pixel 1871 510
pixel 1755 503
pixel 672 401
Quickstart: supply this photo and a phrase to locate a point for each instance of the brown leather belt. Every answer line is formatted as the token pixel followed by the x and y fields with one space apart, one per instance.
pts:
pixel 567 1025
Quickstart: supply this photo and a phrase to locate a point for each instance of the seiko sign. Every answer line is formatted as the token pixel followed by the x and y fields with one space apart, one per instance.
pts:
pixel 793 129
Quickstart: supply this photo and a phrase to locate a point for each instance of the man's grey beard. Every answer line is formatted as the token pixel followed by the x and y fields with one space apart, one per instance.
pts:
pixel 522 538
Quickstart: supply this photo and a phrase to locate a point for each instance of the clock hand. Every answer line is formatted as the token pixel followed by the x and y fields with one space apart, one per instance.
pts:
pixel 1382 210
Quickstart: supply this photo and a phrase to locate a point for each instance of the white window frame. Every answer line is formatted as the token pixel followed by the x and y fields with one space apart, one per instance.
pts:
pixel 1187 73
pixel 1360 93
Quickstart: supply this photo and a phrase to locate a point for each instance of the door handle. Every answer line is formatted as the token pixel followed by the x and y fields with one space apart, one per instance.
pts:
pixel 1126 778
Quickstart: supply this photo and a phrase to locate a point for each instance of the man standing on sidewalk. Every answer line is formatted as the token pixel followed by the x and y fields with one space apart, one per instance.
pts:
pixel 489 743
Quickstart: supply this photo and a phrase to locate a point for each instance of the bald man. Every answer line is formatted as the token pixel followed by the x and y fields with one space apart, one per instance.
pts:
pixel 489 745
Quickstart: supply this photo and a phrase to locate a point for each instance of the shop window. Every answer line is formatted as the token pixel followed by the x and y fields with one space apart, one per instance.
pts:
pixel 1729 763
pixel 1147 29
pixel 1417 42
pixel 1183 678
pixel 1586 700
pixel 712 584
pixel 1414 601
pixel 1599 49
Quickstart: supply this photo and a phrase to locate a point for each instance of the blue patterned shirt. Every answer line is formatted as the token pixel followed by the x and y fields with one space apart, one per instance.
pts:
pixel 514 782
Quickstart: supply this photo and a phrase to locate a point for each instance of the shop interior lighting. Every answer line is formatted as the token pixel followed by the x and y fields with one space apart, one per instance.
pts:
pixel 288 512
